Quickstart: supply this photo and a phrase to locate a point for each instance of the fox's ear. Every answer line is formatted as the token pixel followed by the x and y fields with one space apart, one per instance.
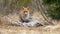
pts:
pixel 23 7
pixel 28 8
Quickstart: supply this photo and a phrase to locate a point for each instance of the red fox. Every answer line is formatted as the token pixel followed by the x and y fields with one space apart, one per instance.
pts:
pixel 24 15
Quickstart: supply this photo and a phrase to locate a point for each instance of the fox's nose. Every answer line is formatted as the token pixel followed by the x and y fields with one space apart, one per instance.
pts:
pixel 25 15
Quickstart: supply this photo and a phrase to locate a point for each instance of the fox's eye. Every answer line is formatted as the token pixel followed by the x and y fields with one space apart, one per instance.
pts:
pixel 25 11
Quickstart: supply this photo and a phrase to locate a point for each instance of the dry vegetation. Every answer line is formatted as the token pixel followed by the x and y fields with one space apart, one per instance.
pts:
pixel 25 30
pixel 5 28
pixel 9 23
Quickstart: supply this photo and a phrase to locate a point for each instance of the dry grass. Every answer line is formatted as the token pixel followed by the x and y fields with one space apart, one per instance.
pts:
pixel 25 30
pixel 9 29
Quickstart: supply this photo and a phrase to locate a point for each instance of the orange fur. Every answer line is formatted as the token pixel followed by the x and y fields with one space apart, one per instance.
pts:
pixel 24 14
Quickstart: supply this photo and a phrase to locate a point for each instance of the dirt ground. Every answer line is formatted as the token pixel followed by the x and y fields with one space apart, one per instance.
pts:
pixel 29 30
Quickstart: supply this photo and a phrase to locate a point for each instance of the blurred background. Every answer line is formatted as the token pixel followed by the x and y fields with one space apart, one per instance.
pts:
pixel 46 12
pixel 48 9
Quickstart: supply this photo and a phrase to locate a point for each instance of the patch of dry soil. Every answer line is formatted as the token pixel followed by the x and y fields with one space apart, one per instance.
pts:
pixel 32 30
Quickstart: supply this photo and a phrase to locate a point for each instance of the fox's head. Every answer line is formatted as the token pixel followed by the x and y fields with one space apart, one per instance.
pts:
pixel 25 10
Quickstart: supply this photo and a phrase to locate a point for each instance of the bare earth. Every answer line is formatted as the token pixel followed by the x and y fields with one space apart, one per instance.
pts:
pixel 26 30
